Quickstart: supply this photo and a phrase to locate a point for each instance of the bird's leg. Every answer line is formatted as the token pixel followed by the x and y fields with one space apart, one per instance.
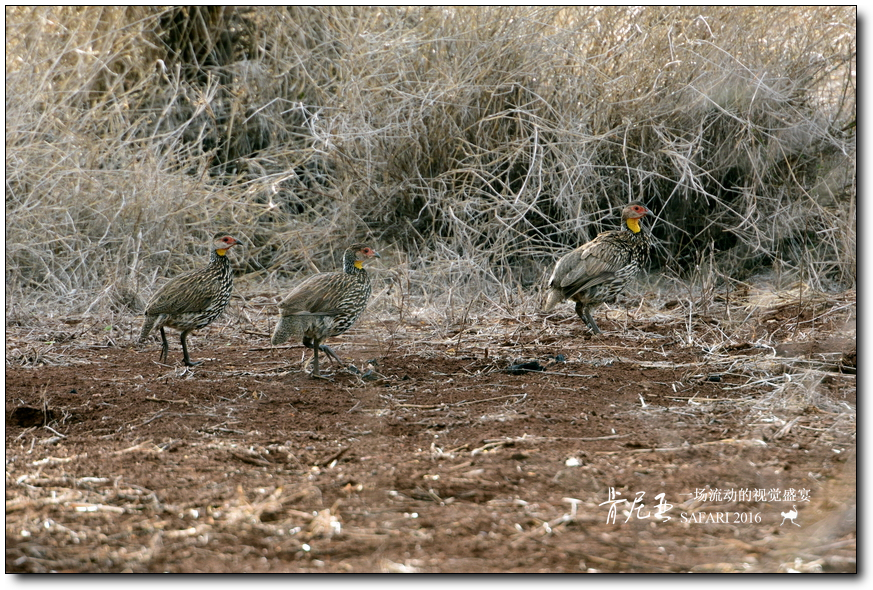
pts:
pixel 313 344
pixel 315 372
pixel 585 313
pixel 590 321
pixel 331 354
pixel 188 361
pixel 164 346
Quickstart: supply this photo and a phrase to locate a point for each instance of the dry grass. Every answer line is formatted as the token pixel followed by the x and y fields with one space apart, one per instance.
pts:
pixel 472 146
pixel 475 144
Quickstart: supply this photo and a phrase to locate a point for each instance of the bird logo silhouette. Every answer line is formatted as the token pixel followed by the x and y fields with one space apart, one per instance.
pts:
pixel 790 515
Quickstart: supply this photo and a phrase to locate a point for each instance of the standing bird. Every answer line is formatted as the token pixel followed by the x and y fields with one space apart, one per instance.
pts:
pixel 192 300
pixel 598 271
pixel 326 304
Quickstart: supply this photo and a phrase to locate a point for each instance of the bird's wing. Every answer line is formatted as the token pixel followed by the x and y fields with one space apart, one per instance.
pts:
pixel 197 295
pixel 590 265
pixel 315 295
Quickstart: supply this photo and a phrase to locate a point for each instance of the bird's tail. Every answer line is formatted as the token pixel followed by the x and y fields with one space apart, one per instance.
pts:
pixel 284 330
pixel 147 326
pixel 301 323
pixel 553 298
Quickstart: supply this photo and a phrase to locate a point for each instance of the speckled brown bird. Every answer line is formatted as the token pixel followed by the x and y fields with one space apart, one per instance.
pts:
pixel 599 270
pixel 192 300
pixel 326 304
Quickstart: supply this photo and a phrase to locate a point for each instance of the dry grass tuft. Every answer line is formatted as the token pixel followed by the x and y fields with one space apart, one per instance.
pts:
pixel 475 143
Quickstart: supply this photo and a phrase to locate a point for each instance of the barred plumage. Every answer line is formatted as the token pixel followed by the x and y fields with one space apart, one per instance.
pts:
pixel 599 270
pixel 192 300
pixel 326 304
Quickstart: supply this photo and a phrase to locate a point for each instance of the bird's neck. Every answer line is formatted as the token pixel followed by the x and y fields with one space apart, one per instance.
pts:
pixel 219 257
pixel 633 225
pixel 353 267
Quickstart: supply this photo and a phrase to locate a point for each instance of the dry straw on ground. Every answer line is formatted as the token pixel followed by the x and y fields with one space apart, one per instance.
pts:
pixel 239 493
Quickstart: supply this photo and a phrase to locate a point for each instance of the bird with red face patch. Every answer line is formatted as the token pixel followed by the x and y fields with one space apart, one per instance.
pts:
pixel 598 271
pixel 326 304
pixel 192 300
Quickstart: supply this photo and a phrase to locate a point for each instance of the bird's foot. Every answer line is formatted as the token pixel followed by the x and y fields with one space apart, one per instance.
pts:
pixel 330 353
pixel 591 323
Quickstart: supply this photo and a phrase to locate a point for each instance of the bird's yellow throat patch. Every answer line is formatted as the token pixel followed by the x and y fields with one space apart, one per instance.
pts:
pixel 634 225
pixel 359 265
pixel 221 251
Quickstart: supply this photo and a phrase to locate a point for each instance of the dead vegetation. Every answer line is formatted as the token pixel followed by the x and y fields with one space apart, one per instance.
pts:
pixel 476 143
pixel 474 146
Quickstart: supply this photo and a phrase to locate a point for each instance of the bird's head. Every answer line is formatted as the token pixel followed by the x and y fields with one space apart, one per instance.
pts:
pixel 359 253
pixel 632 214
pixel 224 243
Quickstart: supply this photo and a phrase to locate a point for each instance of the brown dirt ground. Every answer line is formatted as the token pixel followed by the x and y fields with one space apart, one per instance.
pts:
pixel 439 460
